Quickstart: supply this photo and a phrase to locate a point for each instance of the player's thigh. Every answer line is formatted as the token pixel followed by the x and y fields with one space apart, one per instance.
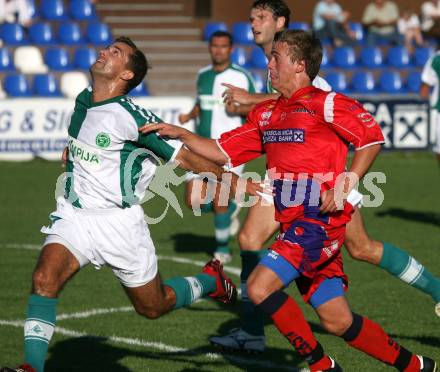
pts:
pixel 261 283
pixel 335 315
pixel 357 242
pixel 258 227
pixel 55 266
pixel 151 299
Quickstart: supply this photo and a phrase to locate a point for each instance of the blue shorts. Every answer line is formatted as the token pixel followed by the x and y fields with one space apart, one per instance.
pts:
pixel 326 290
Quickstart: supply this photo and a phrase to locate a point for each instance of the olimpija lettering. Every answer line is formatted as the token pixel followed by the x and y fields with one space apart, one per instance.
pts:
pixel 78 152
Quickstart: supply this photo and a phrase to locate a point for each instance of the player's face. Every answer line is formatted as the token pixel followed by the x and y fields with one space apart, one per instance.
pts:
pixel 281 67
pixel 220 50
pixel 264 25
pixel 112 60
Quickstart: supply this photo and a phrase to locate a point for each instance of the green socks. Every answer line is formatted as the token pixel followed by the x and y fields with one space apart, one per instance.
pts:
pixel 222 224
pixel 252 318
pixel 206 208
pixel 38 329
pixel 409 270
pixel 191 288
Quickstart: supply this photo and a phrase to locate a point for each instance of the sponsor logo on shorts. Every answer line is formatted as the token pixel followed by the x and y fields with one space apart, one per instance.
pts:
pixel 103 140
pixel 273 255
pixel 292 135
pixel 333 247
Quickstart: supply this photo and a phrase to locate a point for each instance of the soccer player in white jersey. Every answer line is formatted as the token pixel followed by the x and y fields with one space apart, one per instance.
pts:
pixel 212 121
pixel 99 219
pixel 431 79
pixel 268 17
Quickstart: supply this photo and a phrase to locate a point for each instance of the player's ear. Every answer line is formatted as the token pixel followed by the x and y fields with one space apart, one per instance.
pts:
pixel 281 23
pixel 300 66
pixel 127 75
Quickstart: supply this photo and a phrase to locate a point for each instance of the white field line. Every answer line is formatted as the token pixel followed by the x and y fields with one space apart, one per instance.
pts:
pixel 231 270
pixel 93 312
pixel 162 347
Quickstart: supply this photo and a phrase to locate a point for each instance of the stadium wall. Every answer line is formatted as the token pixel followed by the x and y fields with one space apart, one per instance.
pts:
pixel 31 127
pixel 231 11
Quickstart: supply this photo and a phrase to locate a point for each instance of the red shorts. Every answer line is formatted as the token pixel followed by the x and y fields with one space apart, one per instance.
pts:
pixel 313 247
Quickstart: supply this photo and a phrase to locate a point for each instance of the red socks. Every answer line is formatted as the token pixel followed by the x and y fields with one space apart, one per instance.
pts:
pixel 369 337
pixel 289 320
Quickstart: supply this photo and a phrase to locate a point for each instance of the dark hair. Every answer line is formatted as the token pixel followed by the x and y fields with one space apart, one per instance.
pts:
pixel 137 63
pixel 303 46
pixel 221 33
pixel 277 7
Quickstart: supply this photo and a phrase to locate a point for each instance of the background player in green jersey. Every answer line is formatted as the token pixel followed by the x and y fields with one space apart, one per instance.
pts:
pixel 99 219
pixel 431 79
pixel 213 119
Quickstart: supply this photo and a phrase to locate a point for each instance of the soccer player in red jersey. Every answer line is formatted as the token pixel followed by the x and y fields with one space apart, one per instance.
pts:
pixel 305 135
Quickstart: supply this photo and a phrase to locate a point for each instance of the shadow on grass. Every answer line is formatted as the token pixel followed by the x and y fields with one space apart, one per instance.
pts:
pixel 191 243
pixel 96 354
pixel 425 217
pixel 424 340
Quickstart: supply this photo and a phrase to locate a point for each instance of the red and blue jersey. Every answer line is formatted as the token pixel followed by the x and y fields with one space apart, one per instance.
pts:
pixel 303 137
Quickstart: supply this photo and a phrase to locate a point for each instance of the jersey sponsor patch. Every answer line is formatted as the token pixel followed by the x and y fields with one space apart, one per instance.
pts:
pixel 83 153
pixel 102 140
pixel 284 136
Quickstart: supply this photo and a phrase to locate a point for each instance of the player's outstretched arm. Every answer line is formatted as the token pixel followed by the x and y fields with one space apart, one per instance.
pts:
pixel 202 146
pixel 234 95
pixel 192 162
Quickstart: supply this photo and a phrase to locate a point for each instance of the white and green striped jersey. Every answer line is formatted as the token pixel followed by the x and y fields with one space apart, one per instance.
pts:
pixel 110 163
pixel 318 82
pixel 431 76
pixel 213 120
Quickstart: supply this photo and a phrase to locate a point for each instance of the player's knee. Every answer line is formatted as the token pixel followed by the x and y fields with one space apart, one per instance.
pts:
pixel 149 312
pixel 256 292
pixel 249 241
pixel 45 283
pixel 359 249
pixel 338 325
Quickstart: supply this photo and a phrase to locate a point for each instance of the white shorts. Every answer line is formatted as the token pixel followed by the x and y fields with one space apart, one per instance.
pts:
pixel 116 237
pixel 193 176
pixel 436 147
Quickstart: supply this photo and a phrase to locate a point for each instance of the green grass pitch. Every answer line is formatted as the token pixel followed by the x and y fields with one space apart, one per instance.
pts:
pixel 114 338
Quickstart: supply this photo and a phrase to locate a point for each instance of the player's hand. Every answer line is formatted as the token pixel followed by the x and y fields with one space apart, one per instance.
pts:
pixel 231 108
pixel 163 129
pixel 65 156
pixel 235 95
pixel 184 118
pixel 329 203
pixel 254 188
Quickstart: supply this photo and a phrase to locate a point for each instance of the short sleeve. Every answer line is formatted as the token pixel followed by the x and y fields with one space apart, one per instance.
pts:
pixel 429 76
pixel 242 144
pixel 166 149
pixel 351 121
